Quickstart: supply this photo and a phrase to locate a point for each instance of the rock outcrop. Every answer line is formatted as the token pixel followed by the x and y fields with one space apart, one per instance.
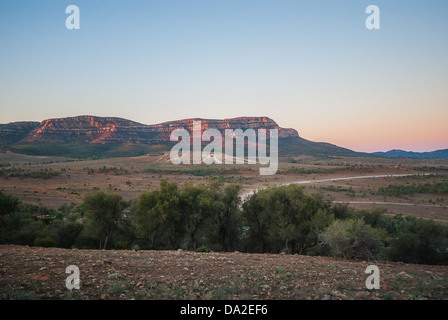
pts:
pixel 106 130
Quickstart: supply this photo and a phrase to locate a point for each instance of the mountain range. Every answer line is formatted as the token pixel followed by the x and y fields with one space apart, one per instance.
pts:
pixel 99 137
pixel 396 153
pixel 91 136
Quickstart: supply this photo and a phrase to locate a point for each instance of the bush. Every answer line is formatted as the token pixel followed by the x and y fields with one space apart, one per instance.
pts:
pixel 44 242
pixel 202 249
pixel 136 247
pixel 285 217
pixel 22 229
pixel 121 245
pixel 67 234
pixel 419 241
pixel 352 239
pixel 8 204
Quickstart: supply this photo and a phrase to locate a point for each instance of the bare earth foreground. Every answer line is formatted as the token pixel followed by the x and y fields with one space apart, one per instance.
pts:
pixel 39 273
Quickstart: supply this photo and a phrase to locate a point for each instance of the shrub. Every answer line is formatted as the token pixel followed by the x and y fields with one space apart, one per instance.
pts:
pixel 68 233
pixel 419 241
pixel 8 204
pixel 121 245
pixel 22 228
pixel 44 242
pixel 352 239
pixel 202 249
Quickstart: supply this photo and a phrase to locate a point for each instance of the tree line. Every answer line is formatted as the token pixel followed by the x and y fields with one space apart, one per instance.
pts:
pixel 212 216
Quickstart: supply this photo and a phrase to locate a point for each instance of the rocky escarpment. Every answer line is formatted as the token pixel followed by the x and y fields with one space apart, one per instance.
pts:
pixel 105 130
pixel 90 136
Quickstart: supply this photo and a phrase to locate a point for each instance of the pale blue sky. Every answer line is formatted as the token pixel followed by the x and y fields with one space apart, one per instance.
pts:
pixel 310 65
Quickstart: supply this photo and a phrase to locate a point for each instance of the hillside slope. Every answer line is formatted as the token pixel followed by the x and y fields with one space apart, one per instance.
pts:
pixel 39 273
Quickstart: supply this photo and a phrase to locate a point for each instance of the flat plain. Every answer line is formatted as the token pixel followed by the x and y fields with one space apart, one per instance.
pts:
pixel 55 181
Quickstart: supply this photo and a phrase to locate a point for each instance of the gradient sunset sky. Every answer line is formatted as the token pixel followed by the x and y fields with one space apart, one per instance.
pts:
pixel 309 65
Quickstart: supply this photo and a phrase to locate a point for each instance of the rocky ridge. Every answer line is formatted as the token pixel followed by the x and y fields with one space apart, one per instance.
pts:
pixel 108 130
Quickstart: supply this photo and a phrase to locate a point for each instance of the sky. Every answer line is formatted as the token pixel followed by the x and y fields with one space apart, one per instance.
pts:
pixel 311 65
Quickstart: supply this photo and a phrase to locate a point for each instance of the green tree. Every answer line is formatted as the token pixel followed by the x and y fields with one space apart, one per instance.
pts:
pixel 67 233
pixel 299 217
pixel 195 208
pixel 8 204
pixel 225 219
pixel 258 219
pixel 160 217
pixel 104 212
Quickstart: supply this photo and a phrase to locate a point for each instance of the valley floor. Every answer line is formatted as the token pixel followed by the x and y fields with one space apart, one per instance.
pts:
pixel 39 273
pixel 54 182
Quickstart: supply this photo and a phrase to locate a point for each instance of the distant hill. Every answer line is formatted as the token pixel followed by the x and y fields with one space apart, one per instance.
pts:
pixel 438 154
pixel 16 131
pixel 90 136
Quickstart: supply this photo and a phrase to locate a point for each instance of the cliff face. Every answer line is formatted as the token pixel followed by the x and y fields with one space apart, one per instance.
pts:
pixel 82 129
pixel 104 130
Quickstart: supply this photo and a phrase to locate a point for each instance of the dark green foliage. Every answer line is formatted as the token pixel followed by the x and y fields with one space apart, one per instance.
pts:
pixel 336 189
pixel 67 233
pixel 44 242
pixel 418 241
pixel 121 245
pixel 33 225
pixel 104 214
pixel 22 228
pixel 225 220
pixel 401 191
pixel 195 206
pixel 259 221
pixel 171 218
pixel 168 217
pixel 342 211
pixel 8 204
pixel 114 170
pixel 299 217
pixel 27 224
pixel 23 173
pixel 159 216
pixel 374 217
pixel 285 218
pixel 202 249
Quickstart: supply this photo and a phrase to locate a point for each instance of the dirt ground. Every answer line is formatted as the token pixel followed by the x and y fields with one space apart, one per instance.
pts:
pixel 39 273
